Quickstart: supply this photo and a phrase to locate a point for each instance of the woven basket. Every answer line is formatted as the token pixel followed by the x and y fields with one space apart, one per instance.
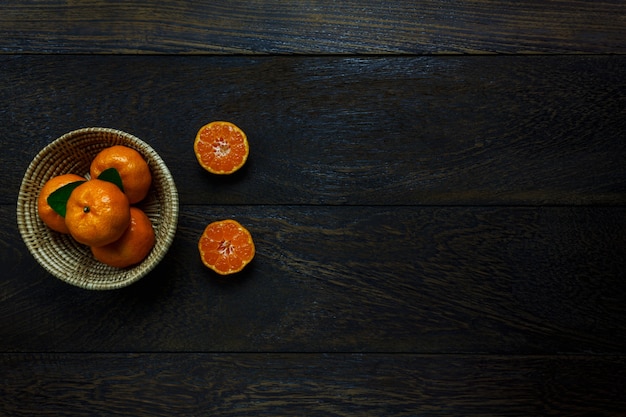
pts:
pixel 60 254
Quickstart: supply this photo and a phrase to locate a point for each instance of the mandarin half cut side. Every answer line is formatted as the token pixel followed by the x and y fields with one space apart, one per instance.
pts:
pixel 221 147
pixel 226 247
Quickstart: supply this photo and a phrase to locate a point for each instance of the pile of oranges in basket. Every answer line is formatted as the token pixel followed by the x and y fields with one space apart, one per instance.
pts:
pixel 101 212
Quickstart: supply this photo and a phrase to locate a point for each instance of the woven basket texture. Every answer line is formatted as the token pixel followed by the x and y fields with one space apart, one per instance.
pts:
pixel 60 254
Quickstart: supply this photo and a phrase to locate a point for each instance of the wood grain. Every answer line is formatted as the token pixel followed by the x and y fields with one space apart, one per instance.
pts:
pixel 313 385
pixel 313 27
pixel 344 130
pixel 349 279
pixel 436 189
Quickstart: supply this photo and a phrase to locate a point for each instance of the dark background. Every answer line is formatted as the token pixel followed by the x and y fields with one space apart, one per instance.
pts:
pixel 437 193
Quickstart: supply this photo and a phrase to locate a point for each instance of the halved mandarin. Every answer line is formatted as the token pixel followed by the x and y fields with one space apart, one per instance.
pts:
pixel 221 147
pixel 226 247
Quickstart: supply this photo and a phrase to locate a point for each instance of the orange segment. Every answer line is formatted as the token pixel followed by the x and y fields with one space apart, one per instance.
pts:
pixel 226 247
pixel 221 147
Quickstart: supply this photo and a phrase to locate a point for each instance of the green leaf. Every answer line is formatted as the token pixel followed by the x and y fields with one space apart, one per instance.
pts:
pixel 112 175
pixel 58 199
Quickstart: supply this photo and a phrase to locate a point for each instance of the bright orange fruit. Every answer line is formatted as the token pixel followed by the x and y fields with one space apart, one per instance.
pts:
pixel 51 218
pixel 221 147
pixel 132 167
pixel 226 246
pixel 97 213
pixel 134 245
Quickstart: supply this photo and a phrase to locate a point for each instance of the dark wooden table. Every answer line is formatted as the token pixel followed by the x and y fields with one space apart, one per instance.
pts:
pixel 437 192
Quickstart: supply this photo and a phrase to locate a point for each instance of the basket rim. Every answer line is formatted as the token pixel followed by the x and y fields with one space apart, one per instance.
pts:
pixel 120 277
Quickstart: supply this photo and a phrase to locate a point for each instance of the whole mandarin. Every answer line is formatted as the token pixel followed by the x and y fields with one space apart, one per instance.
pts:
pixel 97 213
pixel 48 215
pixel 132 247
pixel 132 167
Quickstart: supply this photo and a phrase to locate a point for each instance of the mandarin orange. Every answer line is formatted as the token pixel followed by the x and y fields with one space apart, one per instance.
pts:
pixel 221 147
pixel 48 215
pixel 97 213
pixel 132 167
pixel 132 247
pixel 226 247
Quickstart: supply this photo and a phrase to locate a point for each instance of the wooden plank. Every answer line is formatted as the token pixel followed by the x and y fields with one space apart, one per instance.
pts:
pixel 349 279
pixel 312 27
pixel 313 385
pixel 343 130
